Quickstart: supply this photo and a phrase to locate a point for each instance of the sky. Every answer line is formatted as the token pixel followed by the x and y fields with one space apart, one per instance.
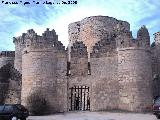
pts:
pixel 18 18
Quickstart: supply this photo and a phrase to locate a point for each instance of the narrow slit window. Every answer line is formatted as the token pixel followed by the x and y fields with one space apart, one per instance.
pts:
pixel 89 68
pixel 68 68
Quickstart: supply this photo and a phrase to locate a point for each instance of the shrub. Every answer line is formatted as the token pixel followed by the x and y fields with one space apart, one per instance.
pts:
pixel 37 104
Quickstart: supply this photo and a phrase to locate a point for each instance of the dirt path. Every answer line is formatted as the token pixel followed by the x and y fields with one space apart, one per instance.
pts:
pixel 95 116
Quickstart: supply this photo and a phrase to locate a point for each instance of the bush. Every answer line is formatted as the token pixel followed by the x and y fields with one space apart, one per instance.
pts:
pixel 37 104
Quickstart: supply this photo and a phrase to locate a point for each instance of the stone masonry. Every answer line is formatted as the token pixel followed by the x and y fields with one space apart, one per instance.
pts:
pixel 103 67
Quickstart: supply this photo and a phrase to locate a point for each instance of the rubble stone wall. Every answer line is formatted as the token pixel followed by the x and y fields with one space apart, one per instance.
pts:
pixel 61 81
pixel 6 57
pixel 155 49
pixel 93 29
pixel 39 74
pixel 105 86
pixel 135 79
pixel 13 95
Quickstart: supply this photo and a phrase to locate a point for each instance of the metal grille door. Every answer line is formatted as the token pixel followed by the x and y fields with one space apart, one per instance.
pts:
pixel 79 98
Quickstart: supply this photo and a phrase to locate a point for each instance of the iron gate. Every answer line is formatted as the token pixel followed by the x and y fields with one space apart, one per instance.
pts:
pixel 79 98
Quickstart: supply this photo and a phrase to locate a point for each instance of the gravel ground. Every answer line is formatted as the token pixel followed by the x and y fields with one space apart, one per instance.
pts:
pixel 96 116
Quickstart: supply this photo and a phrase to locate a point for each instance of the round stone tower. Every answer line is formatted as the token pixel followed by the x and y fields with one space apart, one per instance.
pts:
pixel 39 64
pixel 92 29
pixel 135 75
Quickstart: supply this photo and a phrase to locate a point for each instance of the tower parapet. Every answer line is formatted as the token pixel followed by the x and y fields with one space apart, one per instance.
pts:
pixel 92 29
pixel 48 40
pixel 143 37
pixel 124 39
pixel 19 40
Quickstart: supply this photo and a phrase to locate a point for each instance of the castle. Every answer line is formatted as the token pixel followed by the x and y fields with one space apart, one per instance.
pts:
pixel 103 67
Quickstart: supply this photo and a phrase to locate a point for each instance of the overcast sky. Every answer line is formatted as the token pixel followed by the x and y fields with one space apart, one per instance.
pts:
pixel 17 19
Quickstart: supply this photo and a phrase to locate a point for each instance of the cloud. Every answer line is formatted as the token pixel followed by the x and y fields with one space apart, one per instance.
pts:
pixel 16 19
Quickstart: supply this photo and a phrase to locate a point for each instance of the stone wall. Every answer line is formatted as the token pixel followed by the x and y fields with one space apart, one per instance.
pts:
pixel 6 57
pixel 102 81
pixel 105 87
pixel 38 74
pixel 13 95
pixel 79 64
pixel 135 79
pixel 104 63
pixel 61 81
pixel 10 84
pixel 78 67
pixel 79 60
pixel 3 91
pixel 155 49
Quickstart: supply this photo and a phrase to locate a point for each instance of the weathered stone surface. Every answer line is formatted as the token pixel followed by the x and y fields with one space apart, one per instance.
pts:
pixel 120 71
pixel 143 37
pixel 6 57
pixel 135 79
pixel 93 29
pixel 44 69
pixel 10 84
pixel 155 49
pixel 105 85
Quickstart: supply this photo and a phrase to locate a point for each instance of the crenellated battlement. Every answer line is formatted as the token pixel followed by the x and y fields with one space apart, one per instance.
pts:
pixel 97 31
pixel 49 34
pixel 105 46
pixel 48 39
pixel 19 40
pixel 7 53
pixel 78 49
pixel 122 39
pixel 143 37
